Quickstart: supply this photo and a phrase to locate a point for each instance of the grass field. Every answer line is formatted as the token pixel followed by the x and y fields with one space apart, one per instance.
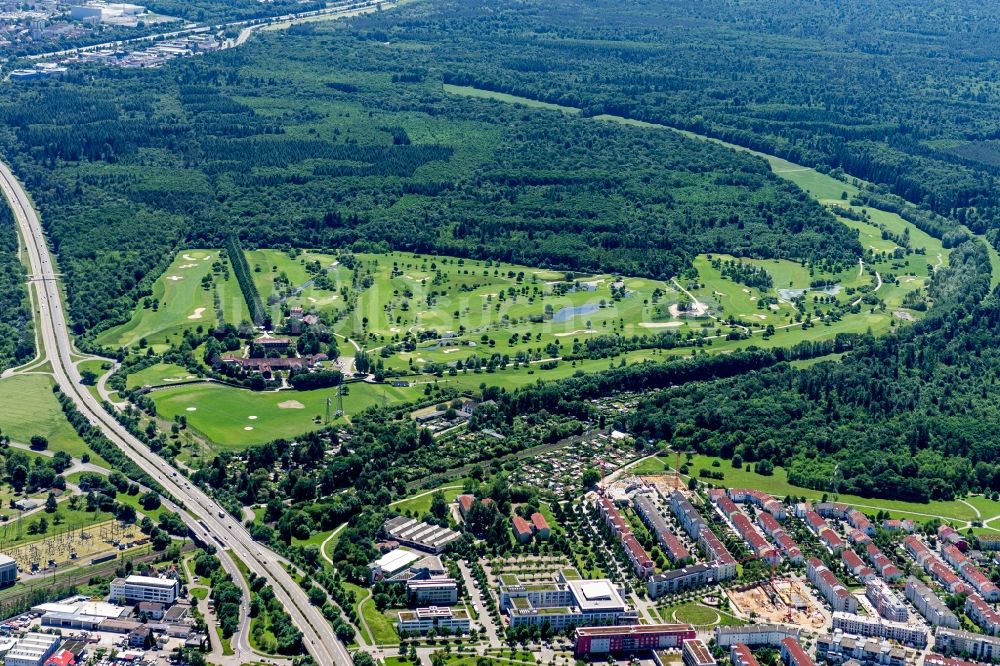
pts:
pixel 183 303
pixel 421 502
pixel 158 375
pixel 223 414
pixel 778 485
pixel 30 408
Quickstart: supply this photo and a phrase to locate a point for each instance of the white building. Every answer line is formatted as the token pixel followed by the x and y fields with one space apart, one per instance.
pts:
pixel 886 602
pixel 433 591
pixel 135 589
pixel 32 650
pixel 422 620
pixel 565 602
pixel 864 625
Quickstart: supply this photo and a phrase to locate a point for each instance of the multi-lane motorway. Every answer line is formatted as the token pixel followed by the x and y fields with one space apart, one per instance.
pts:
pixel 203 515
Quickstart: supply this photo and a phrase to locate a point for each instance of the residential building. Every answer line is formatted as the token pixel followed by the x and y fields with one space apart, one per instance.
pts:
pixel 741 655
pixel 8 570
pixel 689 577
pixel 522 529
pixel 792 654
pixel 860 522
pixel 760 500
pixel 755 635
pixel 645 508
pixel 758 544
pixel 940 660
pixel 865 625
pixel 852 561
pixel 422 620
pixel 432 591
pixel 539 525
pixel 630 638
pixel 834 510
pixel 839 648
pixel 929 604
pixel 949 535
pixel 61 658
pixel 695 653
pixel 717 554
pixel 976 646
pixel 982 614
pixel 830 586
pixel 857 537
pixel 642 563
pixel 885 601
pixel 883 565
pixel 970 572
pixel 686 514
pixel 153 610
pixel 135 589
pixel 32 649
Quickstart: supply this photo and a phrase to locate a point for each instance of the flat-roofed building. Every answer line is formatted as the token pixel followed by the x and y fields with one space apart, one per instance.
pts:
pixel 630 638
pixel 392 563
pixel 696 653
pixel 885 601
pixel 906 633
pixel 433 591
pixel 563 602
pixel 145 588
pixel 422 620
pixel 8 570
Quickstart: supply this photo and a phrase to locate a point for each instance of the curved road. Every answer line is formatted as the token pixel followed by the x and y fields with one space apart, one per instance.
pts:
pixel 205 518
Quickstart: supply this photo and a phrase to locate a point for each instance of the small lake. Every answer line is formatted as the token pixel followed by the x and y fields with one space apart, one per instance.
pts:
pixel 789 294
pixel 565 314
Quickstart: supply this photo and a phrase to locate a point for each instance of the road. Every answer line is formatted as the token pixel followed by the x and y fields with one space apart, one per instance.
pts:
pixel 205 518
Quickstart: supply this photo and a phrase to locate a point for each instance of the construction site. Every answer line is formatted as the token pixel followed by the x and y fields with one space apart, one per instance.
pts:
pixel 779 600
pixel 84 545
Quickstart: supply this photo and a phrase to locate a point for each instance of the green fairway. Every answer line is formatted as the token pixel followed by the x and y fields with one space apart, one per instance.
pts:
pixel 30 408
pixel 184 301
pixel 222 413
pixel 777 484
pixel 158 375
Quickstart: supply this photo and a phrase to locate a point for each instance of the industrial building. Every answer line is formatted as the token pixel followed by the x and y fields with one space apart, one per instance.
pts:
pixel 8 570
pixel 411 532
pixel 32 650
pixel 135 589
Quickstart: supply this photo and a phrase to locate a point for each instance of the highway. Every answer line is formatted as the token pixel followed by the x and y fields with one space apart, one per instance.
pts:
pixel 203 515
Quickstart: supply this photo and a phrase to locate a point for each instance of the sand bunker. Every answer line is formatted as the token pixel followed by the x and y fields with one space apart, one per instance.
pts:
pixel 252 418
pixel 187 265
pixel 451 351
pixel 188 257
pixel 291 404
pixel 579 330
pixel 248 428
pixel 192 409
pixel 197 313
pixel 759 316
pixel 174 278
pixel 394 329
pixel 660 324
pixel 312 300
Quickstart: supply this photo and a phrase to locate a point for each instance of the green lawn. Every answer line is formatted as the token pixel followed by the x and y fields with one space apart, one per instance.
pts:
pixel 29 408
pixel 199 593
pixel 183 303
pixel 159 374
pixel 223 413
pixel 382 625
pixel 693 613
pixel 778 485
pixel 421 502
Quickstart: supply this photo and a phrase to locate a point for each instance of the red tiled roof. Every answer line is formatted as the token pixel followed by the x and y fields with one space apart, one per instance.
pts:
pixel 538 520
pixel 521 526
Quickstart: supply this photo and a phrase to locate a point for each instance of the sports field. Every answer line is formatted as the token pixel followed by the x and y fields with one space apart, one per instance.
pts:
pixel 184 298
pixel 234 418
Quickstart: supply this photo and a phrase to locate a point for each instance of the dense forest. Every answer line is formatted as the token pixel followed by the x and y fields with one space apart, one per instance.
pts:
pixel 271 144
pixel 17 335
pixel 901 93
